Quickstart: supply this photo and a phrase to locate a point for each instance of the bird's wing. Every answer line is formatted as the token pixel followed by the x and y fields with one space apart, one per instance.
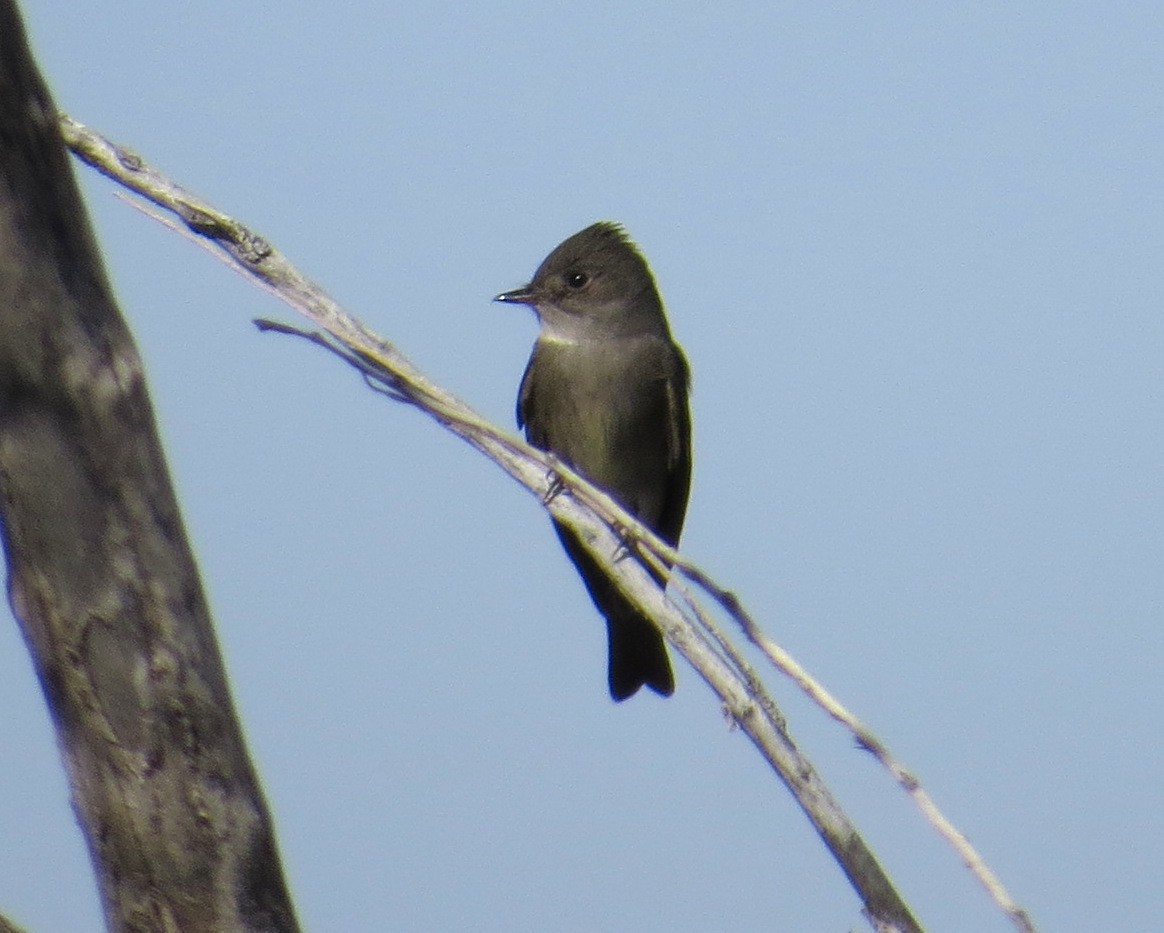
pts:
pixel 670 522
pixel 525 396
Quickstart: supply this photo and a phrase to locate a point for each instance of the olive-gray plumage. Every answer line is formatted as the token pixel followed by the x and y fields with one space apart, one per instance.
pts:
pixel 606 391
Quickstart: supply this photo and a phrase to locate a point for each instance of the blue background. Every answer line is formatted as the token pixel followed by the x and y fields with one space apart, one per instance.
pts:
pixel 914 255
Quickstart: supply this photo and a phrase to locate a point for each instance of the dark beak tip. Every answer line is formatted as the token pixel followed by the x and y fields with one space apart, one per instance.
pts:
pixel 519 296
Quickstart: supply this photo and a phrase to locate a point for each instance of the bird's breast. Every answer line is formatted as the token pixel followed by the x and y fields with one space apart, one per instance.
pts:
pixel 603 407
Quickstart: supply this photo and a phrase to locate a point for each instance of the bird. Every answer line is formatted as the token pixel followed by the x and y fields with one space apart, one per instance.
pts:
pixel 606 391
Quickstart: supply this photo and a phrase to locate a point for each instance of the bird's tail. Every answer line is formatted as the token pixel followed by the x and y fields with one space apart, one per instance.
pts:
pixel 638 657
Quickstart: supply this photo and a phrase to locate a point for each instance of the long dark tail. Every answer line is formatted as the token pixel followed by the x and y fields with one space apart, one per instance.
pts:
pixel 638 655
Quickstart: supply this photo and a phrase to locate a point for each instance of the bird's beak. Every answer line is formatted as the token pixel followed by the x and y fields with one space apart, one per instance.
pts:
pixel 519 296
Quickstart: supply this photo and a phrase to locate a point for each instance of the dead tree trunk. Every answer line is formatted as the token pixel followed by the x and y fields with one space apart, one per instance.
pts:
pixel 101 577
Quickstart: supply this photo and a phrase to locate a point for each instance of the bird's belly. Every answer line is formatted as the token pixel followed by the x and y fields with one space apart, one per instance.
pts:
pixel 617 439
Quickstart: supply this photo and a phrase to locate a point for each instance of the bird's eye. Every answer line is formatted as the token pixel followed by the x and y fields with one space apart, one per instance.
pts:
pixel 577 279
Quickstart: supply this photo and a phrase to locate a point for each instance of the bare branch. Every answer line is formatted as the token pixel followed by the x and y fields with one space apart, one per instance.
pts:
pixel 587 510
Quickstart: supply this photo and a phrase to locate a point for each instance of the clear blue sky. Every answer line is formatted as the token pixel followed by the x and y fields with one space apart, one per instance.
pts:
pixel 915 258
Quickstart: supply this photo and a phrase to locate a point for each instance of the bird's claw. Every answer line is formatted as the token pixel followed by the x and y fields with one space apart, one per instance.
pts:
pixel 555 487
pixel 625 544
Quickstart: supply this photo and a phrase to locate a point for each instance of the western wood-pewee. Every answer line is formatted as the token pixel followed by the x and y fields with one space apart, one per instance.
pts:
pixel 606 391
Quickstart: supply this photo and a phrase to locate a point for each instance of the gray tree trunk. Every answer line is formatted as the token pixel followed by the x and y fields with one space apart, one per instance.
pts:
pixel 101 577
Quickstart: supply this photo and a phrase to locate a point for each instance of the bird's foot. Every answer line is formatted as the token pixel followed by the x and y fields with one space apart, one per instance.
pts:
pixel 556 486
pixel 626 543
